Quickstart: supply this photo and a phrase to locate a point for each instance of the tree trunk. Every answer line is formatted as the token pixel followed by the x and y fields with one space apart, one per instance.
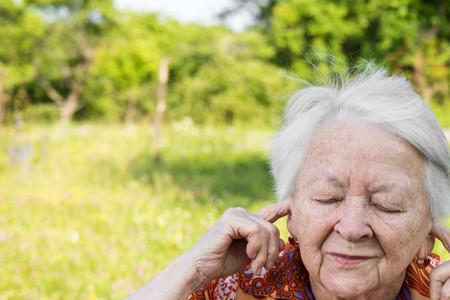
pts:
pixel 3 106
pixel 420 77
pixel 4 98
pixel 130 111
pixel 69 104
pixel 69 108
pixel 160 105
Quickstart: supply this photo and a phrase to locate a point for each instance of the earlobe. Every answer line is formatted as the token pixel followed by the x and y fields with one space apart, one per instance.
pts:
pixel 288 223
pixel 289 226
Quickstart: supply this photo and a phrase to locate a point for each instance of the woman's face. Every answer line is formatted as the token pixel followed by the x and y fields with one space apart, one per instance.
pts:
pixel 359 210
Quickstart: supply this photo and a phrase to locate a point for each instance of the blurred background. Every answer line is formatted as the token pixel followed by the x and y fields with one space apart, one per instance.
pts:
pixel 128 127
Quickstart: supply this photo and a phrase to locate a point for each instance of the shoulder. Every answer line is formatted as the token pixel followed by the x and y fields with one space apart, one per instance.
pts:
pixel 288 279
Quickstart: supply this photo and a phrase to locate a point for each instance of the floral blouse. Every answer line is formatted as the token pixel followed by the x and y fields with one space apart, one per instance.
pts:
pixel 289 279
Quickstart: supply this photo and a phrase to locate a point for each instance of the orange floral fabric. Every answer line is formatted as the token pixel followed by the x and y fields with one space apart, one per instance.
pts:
pixel 289 279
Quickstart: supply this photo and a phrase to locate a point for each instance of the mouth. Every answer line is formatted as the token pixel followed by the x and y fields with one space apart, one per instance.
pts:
pixel 348 260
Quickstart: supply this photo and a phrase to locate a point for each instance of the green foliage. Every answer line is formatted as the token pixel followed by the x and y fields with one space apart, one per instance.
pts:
pixel 411 37
pixel 40 113
pixel 442 113
pixel 302 26
pixel 238 88
pixel 20 30
pixel 93 62
pixel 123 73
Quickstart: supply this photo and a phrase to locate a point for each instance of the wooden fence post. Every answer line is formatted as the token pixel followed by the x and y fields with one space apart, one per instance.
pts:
pixel 161 93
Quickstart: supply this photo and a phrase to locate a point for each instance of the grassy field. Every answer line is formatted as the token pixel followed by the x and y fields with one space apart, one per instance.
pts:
pixel 86 213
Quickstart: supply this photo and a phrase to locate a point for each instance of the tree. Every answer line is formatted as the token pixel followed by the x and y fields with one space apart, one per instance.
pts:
pixel 20 31
pixel 413 37
pixel 66 52
pixel 122 78
pixel 222 77
pixel 410 36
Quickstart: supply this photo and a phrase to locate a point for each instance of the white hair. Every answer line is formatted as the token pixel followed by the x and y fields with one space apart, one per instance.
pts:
pixel 374 97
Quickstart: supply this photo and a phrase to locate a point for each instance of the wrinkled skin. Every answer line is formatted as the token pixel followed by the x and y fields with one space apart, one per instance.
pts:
pixel 360 192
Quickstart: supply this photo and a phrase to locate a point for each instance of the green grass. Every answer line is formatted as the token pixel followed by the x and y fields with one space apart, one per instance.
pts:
pixel 88 214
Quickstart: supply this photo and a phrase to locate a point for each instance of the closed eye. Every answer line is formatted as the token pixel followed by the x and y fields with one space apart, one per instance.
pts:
pixel 328 200
pixel 388 210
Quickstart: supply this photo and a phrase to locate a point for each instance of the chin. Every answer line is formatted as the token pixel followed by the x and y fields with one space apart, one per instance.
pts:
pixel 347 287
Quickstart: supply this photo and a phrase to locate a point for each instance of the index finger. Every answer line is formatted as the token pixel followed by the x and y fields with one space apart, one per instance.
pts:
pixel 275 211
pixel 443 234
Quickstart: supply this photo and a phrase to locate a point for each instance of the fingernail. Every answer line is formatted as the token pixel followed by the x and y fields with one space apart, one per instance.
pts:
pixel 256 269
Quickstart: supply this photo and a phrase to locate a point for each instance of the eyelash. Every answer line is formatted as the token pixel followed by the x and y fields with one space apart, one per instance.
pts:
pixel 387 210
pixel 379 207
pixel 328 201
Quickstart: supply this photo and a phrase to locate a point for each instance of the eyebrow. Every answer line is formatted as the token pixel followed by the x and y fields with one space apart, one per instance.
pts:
pixel 335 181
pixel 381 188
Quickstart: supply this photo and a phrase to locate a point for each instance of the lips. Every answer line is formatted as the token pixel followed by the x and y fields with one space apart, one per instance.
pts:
pixel 348 260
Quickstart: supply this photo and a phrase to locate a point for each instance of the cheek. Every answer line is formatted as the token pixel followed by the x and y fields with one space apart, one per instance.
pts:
pixel 400 237
pixel 311 224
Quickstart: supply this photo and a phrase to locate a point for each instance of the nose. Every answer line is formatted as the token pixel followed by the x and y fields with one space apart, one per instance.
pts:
pixel 353 224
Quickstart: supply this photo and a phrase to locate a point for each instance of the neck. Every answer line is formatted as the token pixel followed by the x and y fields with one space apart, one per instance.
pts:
pixel 388 292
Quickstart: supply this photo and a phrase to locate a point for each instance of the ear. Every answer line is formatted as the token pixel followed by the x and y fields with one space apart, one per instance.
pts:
pixel 428 245
pixel 289 224
pixel 289 221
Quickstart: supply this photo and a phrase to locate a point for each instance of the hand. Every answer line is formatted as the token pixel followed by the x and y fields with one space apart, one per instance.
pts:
pixel 238 238
pixel 440 276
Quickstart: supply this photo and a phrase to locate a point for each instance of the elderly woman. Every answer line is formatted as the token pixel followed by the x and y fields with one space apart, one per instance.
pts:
pixel 363 168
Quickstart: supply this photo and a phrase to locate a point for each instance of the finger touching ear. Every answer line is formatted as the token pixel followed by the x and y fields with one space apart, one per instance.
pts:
pixel 274 212
pixel 443 234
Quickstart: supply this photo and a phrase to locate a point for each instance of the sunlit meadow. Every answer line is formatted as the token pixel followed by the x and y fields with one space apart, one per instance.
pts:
pixel 87 213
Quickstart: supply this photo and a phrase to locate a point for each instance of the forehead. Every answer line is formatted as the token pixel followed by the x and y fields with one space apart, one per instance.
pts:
pixel 357 146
